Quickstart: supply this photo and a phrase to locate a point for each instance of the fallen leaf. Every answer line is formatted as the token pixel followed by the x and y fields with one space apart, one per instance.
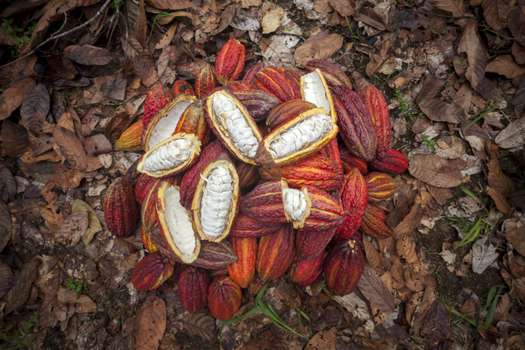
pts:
pixel 499 199
pixel 88 55
pixel 227 16
pixel 5 226
pixel 433 105
pixel 483 255
pixel 7 184
pixel 373 289
pixel 94 226
pixel 518 52
pixel 378 58
pixel 496 13
pixel 35 108
pixel 280 49
pixel 12 97
pixel 19 293
pixel 71 147
pixel 166 38
pixel 455 7
pixel 513 135
pixel 505 65
pixel 244 21
pixel 170 4
pixel 317 47
pixel 435 326
pixel 82 303
pixel 14 140
pixel 72 229
pixel 406 248
pixel 355 305
pixel 150 323
pixel 344 7
pixel 271 18
pixel 373 256
pixel 97 144
pixel 437 171
pixel 201 325
pixel 136 21
pixel 515 234
pixel 323 340
pixel 477 57
pixel 144 67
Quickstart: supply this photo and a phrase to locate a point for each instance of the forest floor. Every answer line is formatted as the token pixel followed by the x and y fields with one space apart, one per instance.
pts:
pixel 74 74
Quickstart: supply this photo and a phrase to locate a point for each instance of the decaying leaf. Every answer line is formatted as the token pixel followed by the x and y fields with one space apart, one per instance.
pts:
pixel 455 7
pixel 94 226
pixel 470 44
pixel 72 229
pixel 35 108
pixel 200 324
pixel 505 65
pixel 12 97
pixel 515 234
pixel 496 13
pixel 71 147
pixel 323 340
pixel 513 135
pixel 483 255
pixel 14 139
pixel 378 58
pixel 19 293
pixel 271 18
pixel 374 290
pixel 434 107
pixel 318 46
pixel 88 55
pixel 170 4
pixel 150 324
pixel 437 171
pixel 5 225
pixel 344 7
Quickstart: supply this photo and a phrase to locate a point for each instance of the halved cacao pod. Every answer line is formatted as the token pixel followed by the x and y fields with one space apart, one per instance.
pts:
pixel 178 236
pixel 332 72
pixel 314 89
pixel 245 226
pixel 287 111
pixel 171 156
pixel 275 254
pixel 243 270
pixel 192 288
pixel 212 152
pixel 233 125
pixel 344 267
pixel 214 204
pixel 151 272
pixel 145 236
pixel 165 122
pixel 298 138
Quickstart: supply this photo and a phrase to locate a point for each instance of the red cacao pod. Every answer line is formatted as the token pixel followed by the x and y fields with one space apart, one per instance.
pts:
pixel 151 272
pixel 304 272
pixel 391 161
pixel 192 288
pixel 374 223
pixel 224 298
pixel 378 109
pixel 354 199
pixel 230 61
pixel 121 212
pixel 344 267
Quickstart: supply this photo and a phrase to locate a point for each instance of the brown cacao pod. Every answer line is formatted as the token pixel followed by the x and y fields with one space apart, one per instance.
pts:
pixel 215 256
pixel 248 176
pixel 257 102
pixel 286 111
pixel 224 298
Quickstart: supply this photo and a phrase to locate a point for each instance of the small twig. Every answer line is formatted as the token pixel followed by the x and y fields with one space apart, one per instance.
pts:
pixel 61 35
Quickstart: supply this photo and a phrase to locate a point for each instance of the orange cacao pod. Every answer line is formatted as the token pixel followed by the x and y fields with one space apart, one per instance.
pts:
pixel 392 161
pixel 151 272
pixel 243 270
pixel 192 288
pixel 155 100
pixel 224 298
pixel 275 254
pixel 121 212
pixel 145 236
pixel 131 138
pixel 305 271
pixel 278 82
pixel 230 61
pixel 374 223
pixel 380 186
pixel 344 267
pixel 205 81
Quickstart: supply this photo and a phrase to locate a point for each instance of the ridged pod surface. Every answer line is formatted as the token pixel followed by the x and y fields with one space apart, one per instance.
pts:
pixel 275 254
pixel 131 138
pixel 306 271
pixel 143 186
pixel 278 82
pixel 156 99
pixel 332 72
pixel 350 161
pixel 215 256
pixel 287 111
pixel 151 272
pixel 344 267
pixel 243 270
pixel 391 161
pixel 378 109
pixel 245 226
pixel 192 288
pixel 354 199
pixel 121 212
pixel 311 243
pixel 380 186
pixel 192 121
pixel 230 61
pixel 374 223
pixel 205 81
pixel 258 102
pixel 224 298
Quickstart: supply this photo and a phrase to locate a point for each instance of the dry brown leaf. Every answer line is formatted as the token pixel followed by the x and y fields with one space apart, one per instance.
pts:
pixel 94 226
pixel 136 20
pixel 437 171
pixel 373 256
pixel 496 13
pixel 200 324
pixel 499 199
pixel 505 65
pixel 170 4
pixel 518 52
pixel 144 67
pixel 455 7
pixel 13 139
pixel 373 289
pixel 227 16
pixel 378 58
pixel 496 177
pixel 406 248
pixel 12 97
pixel 515 234
pixel 432 104
pixel 97 144
pixel 271 18
pixel 35 108
pixel 470 44
pixel 513 135
pixel 19 293
pixel 166 38
pixel 323 340
pixel 318 46
pixel 150 324
pixel 71 147
pixel 88 55
pixel 5 226
pixel 344 7
pixel 7 184
pixel 73 229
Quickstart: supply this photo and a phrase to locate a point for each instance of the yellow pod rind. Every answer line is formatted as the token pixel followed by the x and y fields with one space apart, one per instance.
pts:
pixel 327 93
pixel 297 224
pixel 197 200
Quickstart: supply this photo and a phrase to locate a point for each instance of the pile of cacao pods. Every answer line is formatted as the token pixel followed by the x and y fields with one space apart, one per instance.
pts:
pixel 244 180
